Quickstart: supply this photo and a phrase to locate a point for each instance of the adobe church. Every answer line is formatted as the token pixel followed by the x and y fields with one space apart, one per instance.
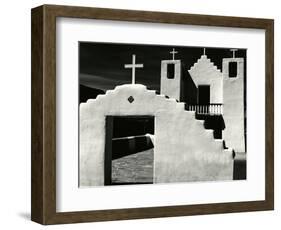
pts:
pixel 198 123
pixel 216 93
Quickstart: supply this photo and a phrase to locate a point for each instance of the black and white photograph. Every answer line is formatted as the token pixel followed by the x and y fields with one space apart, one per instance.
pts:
pixel 161 114
pixel 141 113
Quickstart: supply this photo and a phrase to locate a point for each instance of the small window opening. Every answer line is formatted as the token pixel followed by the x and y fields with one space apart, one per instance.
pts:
pixel 171 71
pixel 232 67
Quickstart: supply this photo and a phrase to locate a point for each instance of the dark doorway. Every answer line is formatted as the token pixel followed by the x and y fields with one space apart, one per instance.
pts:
pixel 129 150
pixel 203 94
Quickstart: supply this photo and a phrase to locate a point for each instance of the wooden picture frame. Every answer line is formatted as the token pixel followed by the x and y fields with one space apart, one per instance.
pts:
pixel 43 207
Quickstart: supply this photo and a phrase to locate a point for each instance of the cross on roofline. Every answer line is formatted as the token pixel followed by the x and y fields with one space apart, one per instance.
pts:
pixel 173 52
pixel 233 52
pixel 133 66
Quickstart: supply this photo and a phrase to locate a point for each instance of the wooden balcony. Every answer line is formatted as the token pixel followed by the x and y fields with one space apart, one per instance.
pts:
pixel 210 109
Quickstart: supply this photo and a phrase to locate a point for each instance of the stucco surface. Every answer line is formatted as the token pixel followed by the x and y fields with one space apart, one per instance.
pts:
pixel 204 72
pixel 233 110
pixel 183 150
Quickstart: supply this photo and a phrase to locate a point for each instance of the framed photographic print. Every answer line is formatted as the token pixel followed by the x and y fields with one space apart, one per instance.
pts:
pixel 141 114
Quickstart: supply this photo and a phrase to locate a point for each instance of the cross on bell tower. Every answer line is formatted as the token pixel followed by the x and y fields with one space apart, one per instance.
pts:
pixel 233 52
pixel 173 52
pixel 133 66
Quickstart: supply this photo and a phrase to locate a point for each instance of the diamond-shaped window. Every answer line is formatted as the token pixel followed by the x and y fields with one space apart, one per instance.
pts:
pixel 131 99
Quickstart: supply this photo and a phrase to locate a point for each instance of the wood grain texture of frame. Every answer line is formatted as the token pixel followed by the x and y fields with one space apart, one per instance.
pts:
pixel 43 160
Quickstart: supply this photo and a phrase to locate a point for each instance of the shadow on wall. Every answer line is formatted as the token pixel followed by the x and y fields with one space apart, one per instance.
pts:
pixel 126 146
pixel 240 170
pixel 213 122
pixel 188 88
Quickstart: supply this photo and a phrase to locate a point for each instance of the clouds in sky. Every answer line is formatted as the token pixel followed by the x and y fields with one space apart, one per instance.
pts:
pixel 101 65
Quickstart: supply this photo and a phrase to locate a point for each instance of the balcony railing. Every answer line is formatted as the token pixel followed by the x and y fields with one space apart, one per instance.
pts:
pixel 210 109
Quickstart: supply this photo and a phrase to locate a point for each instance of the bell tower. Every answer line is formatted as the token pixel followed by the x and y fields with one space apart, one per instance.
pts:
pixel 233 102
pixel 171 77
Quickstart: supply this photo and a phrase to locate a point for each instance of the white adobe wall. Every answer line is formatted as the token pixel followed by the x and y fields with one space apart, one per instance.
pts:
pixel 204 72
pixel 184 150
pixel 233 109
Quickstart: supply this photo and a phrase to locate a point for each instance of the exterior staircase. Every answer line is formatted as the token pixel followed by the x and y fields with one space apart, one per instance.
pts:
pixel 203 118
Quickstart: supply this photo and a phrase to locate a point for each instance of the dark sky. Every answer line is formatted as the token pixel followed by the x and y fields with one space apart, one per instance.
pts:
pixel 101 65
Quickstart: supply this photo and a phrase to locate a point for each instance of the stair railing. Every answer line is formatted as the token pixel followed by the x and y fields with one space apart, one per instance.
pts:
pixel 209 109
